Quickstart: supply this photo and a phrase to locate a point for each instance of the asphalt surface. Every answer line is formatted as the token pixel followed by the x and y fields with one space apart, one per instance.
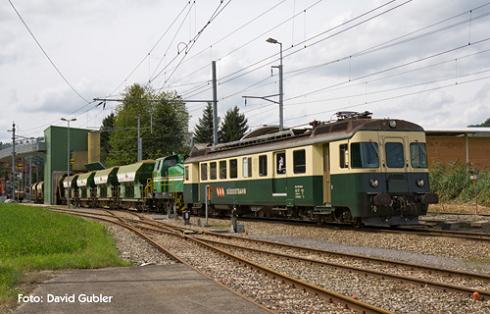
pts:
pixel 150 289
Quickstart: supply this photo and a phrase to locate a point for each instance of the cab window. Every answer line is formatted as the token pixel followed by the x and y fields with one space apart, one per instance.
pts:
pixel 263 165
pixel 418 155
pixel 212 170
pixel 394 155
pixel 233 168
pixel 204 172
pixel 343 149
pixel 222 169
pixel 364 155
pixel 281 163
pixel 247 167
pixel 299 161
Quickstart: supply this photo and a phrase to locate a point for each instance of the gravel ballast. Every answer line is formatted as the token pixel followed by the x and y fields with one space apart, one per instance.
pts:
pixel 136 250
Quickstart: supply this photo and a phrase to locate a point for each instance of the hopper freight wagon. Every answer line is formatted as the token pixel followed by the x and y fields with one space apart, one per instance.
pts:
pixel 38 192
pixel 71 190
pixel 356 170
pixel 107 187
pixel 87 189
pixel 134 181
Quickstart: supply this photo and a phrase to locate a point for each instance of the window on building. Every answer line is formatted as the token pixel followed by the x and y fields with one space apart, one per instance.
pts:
pixel 233 168
pixel 263 165
pixel 343 150
pixel 222 169
pixel 418 155
pixel 186 171
pixel 364 155
pixel 212 170
pixel 394 155
pixel 299 161
pixel 281 163
pixel 204 172
pixel 247 167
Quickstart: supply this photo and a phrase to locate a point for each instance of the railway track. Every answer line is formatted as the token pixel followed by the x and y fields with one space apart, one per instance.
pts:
pixel 329 301
pixel 315 266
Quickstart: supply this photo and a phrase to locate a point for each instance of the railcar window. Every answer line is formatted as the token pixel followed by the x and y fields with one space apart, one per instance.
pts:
pixel 418 155
pixel 299 161
pixel 281 163
pixel 343 148
pixel 247 167
pixel 186 170
pixel 394 155
pixel 204 172
pixel 233 168
pixel 364 155
pixel 263 165
pixel 222 169
pixel 212 170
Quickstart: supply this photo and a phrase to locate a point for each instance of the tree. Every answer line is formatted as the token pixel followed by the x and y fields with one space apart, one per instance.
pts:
pixel 105 132
pixel 203 132
pixel 234 126
pixel 163 126
pixel 484 124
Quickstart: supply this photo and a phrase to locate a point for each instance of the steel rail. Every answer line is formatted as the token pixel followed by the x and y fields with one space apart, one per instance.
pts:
pixel 439 285
pixel 330 295
pixel 339 254
pixel 155 244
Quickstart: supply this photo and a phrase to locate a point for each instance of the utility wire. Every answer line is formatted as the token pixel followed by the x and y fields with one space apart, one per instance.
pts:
pixel 46 54
pixel 151 49
pixel 457 83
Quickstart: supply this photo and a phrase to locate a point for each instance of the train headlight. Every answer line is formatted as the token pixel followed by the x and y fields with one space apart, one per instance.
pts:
pixel 392 124
pixel 374 183
pixel 420 183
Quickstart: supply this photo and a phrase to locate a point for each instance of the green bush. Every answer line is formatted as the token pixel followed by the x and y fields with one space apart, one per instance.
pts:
pixel 452 183
pixel 449 180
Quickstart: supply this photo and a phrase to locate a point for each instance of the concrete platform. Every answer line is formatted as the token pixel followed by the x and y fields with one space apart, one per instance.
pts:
pixel 150 289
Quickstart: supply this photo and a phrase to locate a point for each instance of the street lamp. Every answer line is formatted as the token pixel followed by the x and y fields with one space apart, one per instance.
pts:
pixel 68 157
pixel 281 92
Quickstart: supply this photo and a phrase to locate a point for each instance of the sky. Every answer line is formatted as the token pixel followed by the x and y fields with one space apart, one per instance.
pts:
pixel 423 61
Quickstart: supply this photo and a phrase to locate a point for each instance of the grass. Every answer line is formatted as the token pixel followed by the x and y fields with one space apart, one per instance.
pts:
pixel 35 239
pixel 452 183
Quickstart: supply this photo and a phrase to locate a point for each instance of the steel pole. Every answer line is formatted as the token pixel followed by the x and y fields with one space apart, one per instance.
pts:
pixel 281 91
pixel 13 161
pixel 215 104
pixel 206 195
pixel 68 162
pixel 140 148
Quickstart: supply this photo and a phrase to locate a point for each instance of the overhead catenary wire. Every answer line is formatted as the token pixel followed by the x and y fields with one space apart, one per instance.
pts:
pixel 391 43
pixel 53 64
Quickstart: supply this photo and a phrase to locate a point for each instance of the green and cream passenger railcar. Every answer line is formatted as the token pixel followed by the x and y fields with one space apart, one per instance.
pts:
pixel 354 170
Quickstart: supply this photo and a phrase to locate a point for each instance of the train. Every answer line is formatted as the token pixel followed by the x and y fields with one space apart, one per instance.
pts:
pixel 354 170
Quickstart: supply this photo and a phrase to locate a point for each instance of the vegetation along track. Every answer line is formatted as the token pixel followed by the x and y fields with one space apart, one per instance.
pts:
pixel 376 281
pixel 275 291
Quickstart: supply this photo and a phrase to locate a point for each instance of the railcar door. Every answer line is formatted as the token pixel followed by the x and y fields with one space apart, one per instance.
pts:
pixel 326 175
pixel 395 164
pixel 279 177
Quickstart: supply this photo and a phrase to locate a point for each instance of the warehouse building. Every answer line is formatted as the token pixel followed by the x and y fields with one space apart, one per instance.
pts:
pixel 468 145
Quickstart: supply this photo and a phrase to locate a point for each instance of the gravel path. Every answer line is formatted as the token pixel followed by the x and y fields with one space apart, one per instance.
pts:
pixel 272 293
pixel 135 249
pixel 468 208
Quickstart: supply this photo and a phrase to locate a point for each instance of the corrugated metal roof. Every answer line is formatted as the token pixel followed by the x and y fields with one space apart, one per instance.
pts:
pixel 475 131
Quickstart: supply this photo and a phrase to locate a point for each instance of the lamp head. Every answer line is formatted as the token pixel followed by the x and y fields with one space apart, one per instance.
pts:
pixel 272 40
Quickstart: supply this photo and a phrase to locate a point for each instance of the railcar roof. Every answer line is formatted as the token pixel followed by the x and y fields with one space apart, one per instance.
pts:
pixel 318 133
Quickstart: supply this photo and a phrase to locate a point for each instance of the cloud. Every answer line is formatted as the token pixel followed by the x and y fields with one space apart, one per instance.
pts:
pixel 62 101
